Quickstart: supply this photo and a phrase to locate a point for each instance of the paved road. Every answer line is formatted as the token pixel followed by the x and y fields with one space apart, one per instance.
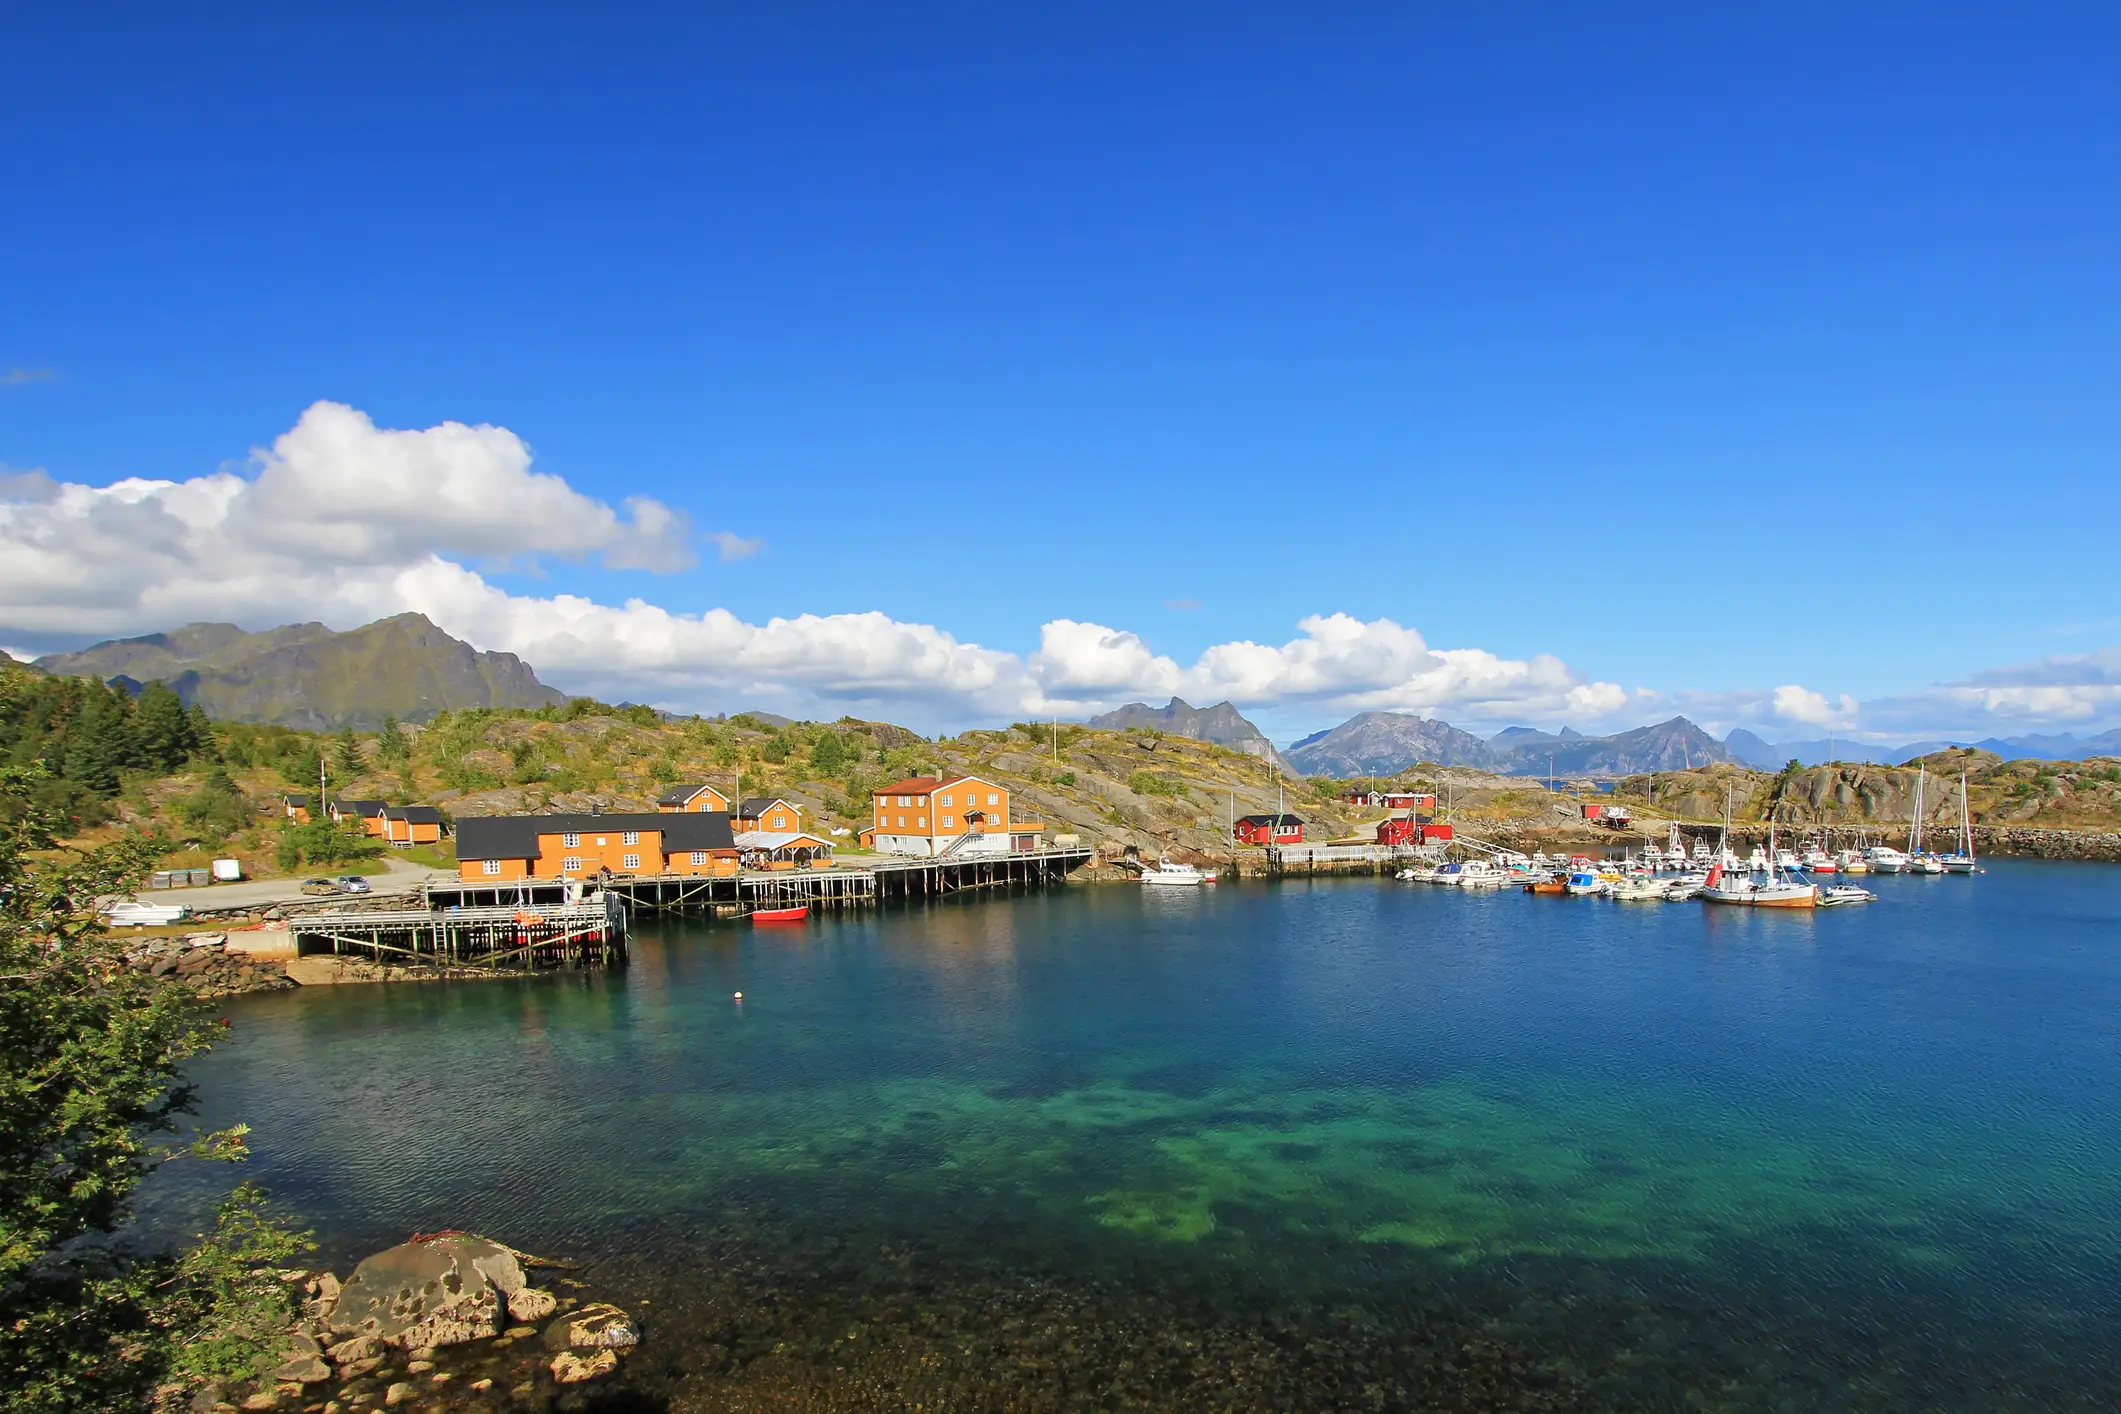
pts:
pixel 402 876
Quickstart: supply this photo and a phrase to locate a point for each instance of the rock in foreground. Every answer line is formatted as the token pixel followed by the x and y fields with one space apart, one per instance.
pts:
pixel 440 1290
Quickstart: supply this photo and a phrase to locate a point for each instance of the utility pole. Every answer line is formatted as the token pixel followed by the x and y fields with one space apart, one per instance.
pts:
pixel 1056 738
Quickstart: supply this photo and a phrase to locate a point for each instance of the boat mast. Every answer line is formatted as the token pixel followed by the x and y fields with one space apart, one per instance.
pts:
pixel 1966 822
pixel 1914 826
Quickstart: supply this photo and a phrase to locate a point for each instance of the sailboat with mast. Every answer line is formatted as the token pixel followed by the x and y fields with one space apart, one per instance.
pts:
pixel 1920 860
pixel 1961 860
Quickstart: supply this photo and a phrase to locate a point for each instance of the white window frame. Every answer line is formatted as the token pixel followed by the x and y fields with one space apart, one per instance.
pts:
pixel 994 797
pixel 630 837
pixel 629 861
pixel 946 822
pixel 699 857
pixel 491 866
pixel 942 800
pixel 572 864
pixel 570 841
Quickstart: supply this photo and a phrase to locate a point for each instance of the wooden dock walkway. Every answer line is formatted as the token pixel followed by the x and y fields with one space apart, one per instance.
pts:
pixel 872 882
pixel 514 938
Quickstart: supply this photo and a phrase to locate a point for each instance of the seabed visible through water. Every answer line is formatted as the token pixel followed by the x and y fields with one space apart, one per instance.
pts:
pixel 1313 1145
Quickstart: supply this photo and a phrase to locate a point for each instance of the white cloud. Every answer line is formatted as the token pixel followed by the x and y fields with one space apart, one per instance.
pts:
pixel 342 521
pixel 332 514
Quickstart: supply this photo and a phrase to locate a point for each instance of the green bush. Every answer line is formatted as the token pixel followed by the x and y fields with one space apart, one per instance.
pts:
pixel 1155 783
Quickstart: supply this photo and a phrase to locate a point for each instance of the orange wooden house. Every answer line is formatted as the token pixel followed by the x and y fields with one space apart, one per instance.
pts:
pixel 691 800
pixel 958 815
pixel 408 825
pixel 501 848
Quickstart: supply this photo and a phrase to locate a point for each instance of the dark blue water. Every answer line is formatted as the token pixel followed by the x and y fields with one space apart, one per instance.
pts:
pixel 1343 1144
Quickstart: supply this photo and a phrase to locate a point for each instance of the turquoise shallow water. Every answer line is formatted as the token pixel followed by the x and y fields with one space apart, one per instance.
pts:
pixel 1343 1144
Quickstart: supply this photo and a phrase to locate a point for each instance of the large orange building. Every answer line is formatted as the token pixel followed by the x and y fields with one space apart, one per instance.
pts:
pixel 500 848
pixel 924 815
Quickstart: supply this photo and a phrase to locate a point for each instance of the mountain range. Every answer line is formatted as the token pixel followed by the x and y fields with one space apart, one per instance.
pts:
pixel 312 677
pixel 1752 751
pixel 1385 743
pixel 1222 724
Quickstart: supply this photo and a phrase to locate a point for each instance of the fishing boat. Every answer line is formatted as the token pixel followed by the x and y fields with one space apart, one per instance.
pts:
pixel 1181 875
pixel 1585 884
pixel 781 915
pixel 1851 861
pixel 1818 861
pixel 1554 884
pixel 1760 888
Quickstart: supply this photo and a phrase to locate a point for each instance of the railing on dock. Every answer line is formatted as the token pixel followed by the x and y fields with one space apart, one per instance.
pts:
pixel 519 937
pixel 839 887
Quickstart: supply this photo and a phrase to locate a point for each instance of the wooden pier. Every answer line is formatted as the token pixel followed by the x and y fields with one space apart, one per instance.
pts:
pixel 840 887
pixel 513 938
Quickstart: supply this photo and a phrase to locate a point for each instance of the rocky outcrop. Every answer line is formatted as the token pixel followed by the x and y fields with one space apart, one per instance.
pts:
pixel 205 964
pixel 433 1291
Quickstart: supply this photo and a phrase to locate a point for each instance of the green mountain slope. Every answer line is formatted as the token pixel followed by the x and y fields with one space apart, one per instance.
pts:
pixel 307 676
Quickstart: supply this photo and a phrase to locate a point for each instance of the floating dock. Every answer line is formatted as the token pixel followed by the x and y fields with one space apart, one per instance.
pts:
pixel 516 938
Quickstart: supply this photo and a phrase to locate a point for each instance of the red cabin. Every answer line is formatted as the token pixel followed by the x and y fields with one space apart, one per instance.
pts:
pixel 1269 829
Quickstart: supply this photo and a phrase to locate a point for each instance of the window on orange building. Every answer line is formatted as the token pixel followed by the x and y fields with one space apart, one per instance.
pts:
pixel 492 866
pixel 570 841
pixel 629 861
pixel 699 856
pixel 630 837
pixel 572 864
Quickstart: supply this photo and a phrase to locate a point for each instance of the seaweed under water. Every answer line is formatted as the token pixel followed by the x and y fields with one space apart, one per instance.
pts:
pixel 1340 1146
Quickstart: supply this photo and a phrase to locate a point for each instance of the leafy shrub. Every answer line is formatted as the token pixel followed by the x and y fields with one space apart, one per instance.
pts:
pixel 1155 783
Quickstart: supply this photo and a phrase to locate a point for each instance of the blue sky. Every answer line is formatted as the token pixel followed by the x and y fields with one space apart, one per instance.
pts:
pixel 1708 353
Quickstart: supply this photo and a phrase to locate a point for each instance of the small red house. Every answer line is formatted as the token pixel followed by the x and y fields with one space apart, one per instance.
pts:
pixel 1422 801
pixel 1269 829
pixel 1411 829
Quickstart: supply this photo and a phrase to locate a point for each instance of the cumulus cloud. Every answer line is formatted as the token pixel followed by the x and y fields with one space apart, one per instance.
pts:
pixel 343 521
pixel 324 524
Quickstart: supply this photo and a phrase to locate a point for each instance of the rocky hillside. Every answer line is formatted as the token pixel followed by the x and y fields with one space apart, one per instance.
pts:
pixel 1222 724
pixel 309 677
pixel 1667 746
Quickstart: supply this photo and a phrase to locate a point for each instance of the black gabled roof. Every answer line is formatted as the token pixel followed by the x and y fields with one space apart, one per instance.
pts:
pixel 751 805
pixel 516 836
pixel 678 795
pixel 1278 821
pixel 363 808
pixel 414 814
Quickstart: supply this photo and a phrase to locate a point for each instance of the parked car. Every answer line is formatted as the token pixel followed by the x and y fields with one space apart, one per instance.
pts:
pixel 134 914
pixel 353 884
pixel 319 886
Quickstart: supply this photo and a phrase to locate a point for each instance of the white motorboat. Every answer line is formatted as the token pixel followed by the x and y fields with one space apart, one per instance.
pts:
pixel 1842 894
pixel 1884 859
pixel 134 914
pixel 1851 861
pixel 1181 875
pixel 1641 889
pixel 1924 864
pixel 1584 884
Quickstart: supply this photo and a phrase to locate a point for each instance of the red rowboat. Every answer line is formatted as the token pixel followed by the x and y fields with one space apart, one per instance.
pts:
pixel 781 915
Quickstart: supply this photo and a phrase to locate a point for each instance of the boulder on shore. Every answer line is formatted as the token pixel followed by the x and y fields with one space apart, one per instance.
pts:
pixel 440 1290
pixel 599 1324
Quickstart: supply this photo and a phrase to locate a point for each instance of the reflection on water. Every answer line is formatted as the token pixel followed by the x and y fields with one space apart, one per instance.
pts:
pixel 1321 1145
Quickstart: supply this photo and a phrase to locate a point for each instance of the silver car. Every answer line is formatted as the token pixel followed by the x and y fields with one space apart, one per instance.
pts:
pixel 353 884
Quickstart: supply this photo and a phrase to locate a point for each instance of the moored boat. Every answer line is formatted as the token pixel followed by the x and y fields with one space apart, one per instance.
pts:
pixel 781 915
pixel 1843 894
pixel 1181 875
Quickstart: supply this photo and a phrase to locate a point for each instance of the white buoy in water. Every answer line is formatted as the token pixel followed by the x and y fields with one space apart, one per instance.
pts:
pixel 740 996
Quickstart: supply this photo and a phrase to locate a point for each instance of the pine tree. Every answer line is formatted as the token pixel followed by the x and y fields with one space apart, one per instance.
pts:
pixel 346 757
pixel 101 741
pixel 164 728
pixel 391 743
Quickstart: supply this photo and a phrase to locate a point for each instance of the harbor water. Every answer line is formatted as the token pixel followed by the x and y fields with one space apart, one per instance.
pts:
pixel 1332 1144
